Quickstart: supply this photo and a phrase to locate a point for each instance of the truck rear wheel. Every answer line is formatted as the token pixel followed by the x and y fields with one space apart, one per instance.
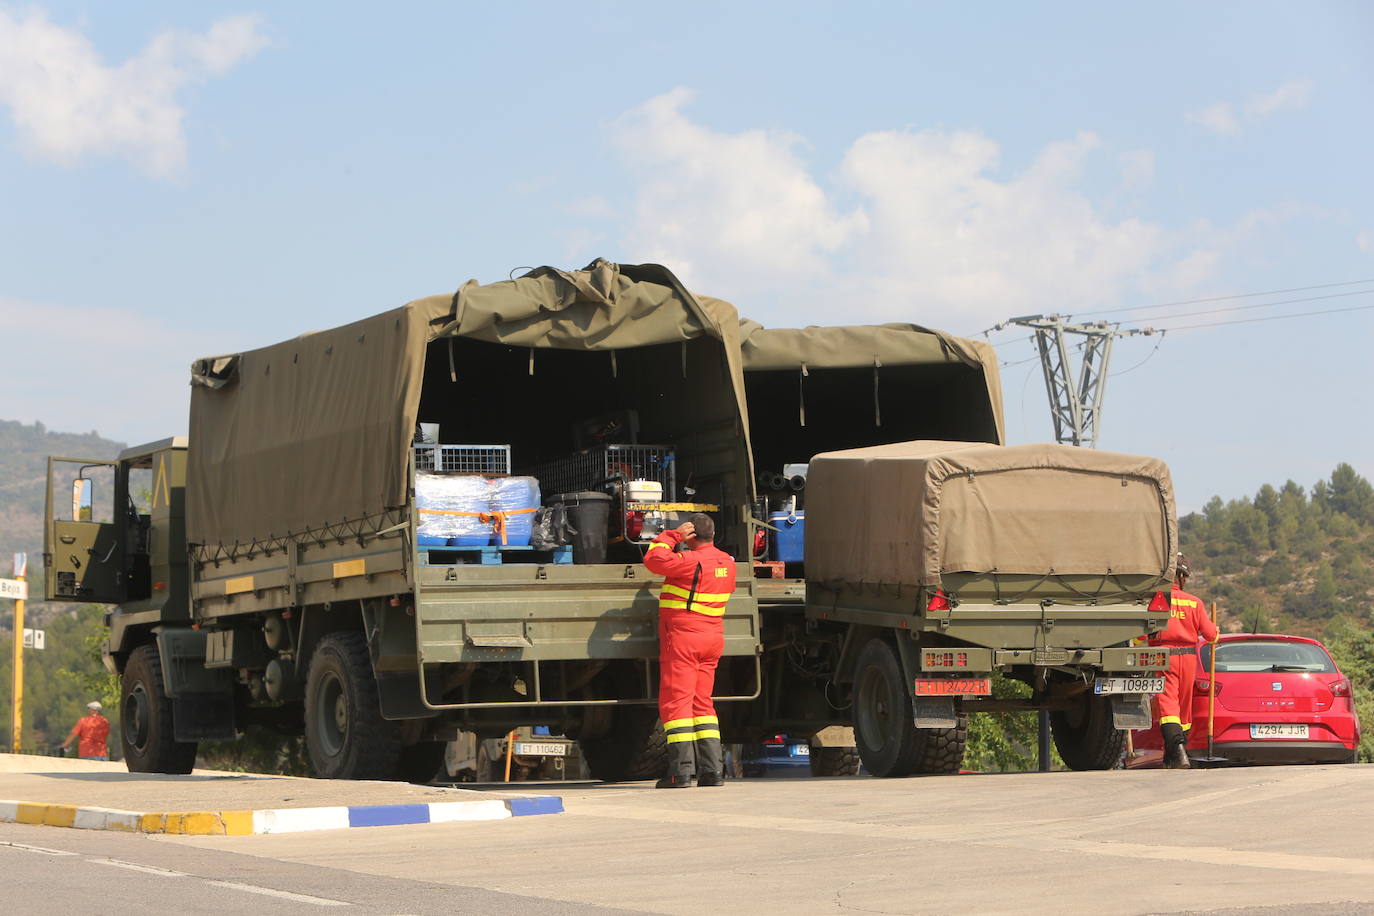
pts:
pixel 884 728
pixel 1085 735
pixel 834 761
pixel 145 713
pixel 344 729
pixel 635 747
pixel 941 750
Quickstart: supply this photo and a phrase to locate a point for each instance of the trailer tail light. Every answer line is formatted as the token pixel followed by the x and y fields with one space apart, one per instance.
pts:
pixel 1152 659
pixel 1160 602
pixel 945 660
pixel 1202 687
pixel 938 601
pixel 1340 688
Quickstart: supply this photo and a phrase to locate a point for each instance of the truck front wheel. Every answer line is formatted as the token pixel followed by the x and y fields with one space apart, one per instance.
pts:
pixel 145 713
pixel 344 729
pixel 884 728
pixel 1085 735
pixel 634 747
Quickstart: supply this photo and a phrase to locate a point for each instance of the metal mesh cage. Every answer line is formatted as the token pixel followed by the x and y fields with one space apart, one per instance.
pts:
pixel 592 468
pixel 463 459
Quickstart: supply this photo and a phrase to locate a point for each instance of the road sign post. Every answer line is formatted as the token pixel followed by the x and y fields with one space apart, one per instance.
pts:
pixel 17 694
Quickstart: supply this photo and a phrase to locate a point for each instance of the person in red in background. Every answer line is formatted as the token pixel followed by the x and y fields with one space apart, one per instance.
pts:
pixel 92 732
pixel 691 636
pixel 1188 622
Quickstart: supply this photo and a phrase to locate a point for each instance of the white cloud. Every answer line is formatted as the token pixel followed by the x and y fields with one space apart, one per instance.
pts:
pixel 1294 95
pixel 1137 167
pixel 1222 118
pixel 122 374
pixel 919 225
pixel 1365 241
pixel 67 102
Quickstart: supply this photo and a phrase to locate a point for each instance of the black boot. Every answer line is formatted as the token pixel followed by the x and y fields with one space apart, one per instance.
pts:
pixel 682 765
pixel 710 762
pixel 1175 746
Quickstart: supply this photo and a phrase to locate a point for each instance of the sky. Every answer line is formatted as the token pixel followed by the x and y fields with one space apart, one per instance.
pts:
pixel 179 180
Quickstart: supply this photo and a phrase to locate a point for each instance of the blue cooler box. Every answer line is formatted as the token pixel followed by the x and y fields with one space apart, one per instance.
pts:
pixel 518 497
pixel 789 539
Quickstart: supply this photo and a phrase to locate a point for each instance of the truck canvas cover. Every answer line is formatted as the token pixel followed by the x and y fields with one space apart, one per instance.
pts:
pixel 909 512
pixel 876 346
pixel 316 431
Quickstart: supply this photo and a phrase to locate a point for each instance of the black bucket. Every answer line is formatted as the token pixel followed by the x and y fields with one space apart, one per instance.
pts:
pixel 589 513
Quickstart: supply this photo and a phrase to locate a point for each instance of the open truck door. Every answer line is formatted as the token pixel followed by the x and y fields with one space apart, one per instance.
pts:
pixel 83 554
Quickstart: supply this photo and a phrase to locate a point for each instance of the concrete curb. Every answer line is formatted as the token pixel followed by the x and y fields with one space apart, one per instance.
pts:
pixel 274 820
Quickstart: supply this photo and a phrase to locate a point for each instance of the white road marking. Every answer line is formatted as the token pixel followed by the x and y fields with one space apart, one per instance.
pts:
pixel 284 895
pixel 43 849
pixel 146 869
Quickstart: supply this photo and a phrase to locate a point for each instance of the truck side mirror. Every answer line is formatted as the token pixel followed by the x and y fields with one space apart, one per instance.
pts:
pixel 82 499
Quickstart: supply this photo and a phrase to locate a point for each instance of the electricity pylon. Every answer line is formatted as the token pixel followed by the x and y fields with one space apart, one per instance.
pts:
pixel 1075 397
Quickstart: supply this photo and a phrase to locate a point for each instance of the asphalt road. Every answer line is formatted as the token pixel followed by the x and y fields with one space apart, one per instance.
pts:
pixel 1233 841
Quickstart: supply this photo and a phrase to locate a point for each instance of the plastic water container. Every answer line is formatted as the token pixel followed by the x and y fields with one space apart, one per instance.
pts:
pixel 448 507
pixel 518 497
pixel 788 540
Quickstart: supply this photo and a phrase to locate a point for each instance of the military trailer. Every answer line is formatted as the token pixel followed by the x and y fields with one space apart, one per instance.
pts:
pixel 850 643
pixel 277 573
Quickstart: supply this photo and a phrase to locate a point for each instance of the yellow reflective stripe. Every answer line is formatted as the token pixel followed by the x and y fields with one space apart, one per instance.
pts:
pixel 699 608
pixel 707 733
pixel 705 720
pixel 1170 720
pixel 1188 726
pixel 679 592
pixel 677 723
pixel 659 544
pixel 679 737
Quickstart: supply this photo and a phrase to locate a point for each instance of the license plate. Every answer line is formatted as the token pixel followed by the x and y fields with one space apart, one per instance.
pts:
pixel 958 687
pixel 1128 685
pixel 541 749
pixel 800 750
pixel 1279 730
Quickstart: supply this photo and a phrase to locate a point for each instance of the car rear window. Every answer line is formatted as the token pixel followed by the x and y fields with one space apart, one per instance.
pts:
pixel 1268 655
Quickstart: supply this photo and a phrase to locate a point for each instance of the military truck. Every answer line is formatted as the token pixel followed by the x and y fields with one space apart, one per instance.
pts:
pixel 273 574
pixel 844 641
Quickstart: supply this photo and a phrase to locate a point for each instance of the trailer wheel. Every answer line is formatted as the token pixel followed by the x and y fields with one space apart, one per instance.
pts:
pixel 635 747
pixel 145 713
pixel 344 729
pixel 420 763
pixel 884 728
pixel 941 750
pixel 834 761
pixel 1085 736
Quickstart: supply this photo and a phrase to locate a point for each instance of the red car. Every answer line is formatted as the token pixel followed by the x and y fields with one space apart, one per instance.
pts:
pixel 1279 699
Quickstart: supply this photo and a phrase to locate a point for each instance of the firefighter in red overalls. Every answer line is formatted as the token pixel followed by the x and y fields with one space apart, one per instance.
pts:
pixel 1188 621
pixel 696 585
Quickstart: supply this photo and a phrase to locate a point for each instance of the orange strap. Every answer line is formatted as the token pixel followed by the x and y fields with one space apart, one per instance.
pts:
pixel 496 519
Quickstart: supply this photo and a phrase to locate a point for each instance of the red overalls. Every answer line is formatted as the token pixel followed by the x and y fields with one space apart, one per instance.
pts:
pixel 1188 622
pixel 696 586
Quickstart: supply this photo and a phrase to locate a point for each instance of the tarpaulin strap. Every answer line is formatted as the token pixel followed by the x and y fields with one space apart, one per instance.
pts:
pixel 684 359
pixel 801 393
pixel 531 360
pixel 615 368
pixel 452 365
pixel 877 407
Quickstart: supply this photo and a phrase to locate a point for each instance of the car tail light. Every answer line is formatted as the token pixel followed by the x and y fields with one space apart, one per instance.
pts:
pixel 1160 602
pixel 776 739
pixel 634 525
pixel 1202 687
pixel 938 601
pixel 1339 688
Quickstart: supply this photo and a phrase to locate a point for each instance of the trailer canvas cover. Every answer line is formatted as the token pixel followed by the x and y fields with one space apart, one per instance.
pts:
pixel 904 514
pixel 316 431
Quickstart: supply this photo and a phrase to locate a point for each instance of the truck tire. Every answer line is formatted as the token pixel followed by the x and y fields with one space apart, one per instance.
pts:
pixel 941 750
pixel 1085 736
pixel 344 729
pixel 420 763
pixel 884 728
pixel 634 748
pixel 834 761
pixel 145 713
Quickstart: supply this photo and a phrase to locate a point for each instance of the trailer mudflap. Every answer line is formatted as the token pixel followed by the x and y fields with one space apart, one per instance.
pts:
pixel 1131 711
pixel 934 712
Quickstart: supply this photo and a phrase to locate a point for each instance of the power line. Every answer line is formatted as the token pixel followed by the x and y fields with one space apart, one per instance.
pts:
pixel 1272 292
pixel 1258 305
pixel 1217 324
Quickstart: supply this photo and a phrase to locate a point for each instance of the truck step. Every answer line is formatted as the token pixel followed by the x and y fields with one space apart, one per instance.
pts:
pixel 496 555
